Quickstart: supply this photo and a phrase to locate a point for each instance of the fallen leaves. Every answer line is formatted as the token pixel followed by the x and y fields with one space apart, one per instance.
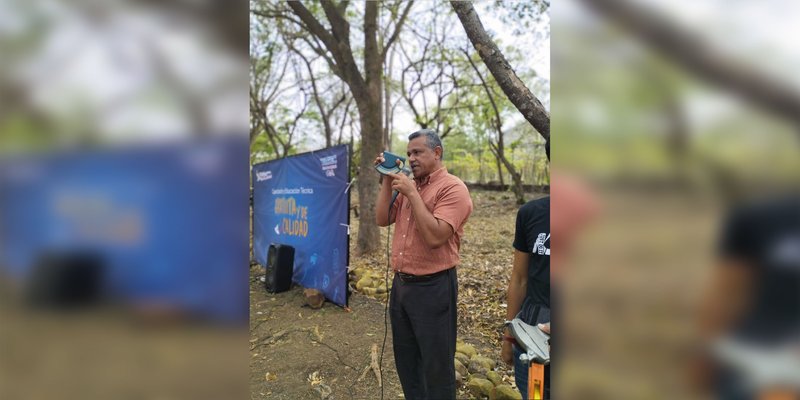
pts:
pixel 317 333
pixel 315 378
pixel 318 384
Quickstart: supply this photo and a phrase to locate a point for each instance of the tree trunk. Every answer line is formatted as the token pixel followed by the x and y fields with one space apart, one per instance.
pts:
pixel 528 105
pixel 368 234
pixel 516 177
pixel 499 168
pixel 370 109
pixel 481 174
pixel 387 102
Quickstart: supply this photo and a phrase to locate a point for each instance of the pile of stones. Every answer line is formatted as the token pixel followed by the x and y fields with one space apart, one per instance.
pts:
pixel 478 372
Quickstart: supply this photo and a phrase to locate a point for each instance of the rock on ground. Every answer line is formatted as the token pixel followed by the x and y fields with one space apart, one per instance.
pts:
pixel 466 349
pixel 494 377
pixel 480 388
pixel 486 362
pixel 506 392
pixel 460 368
pixel 314 298
pixel 462 357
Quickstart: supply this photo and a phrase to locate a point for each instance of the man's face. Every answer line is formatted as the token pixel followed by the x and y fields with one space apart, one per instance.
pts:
pixel 422 159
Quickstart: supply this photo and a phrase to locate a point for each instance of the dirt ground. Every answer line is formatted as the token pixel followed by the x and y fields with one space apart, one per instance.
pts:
pixel 630 292
pixel 300 353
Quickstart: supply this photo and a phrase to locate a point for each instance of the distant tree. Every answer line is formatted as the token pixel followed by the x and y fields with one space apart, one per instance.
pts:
pixel 269 66
pixel 497 145
pixel 428 79
pixel 328 26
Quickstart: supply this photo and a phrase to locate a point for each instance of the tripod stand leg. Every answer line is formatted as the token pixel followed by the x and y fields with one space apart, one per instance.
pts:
pixel 536 381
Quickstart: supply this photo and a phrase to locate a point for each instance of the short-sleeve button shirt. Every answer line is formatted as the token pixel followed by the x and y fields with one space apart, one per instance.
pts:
pixel 447 198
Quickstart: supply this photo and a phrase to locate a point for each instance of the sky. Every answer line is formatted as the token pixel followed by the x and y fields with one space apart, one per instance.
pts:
pixel 504 33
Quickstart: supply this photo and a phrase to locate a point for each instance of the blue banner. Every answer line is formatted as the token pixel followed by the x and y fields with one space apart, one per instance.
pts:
pixel 303 201
pixel 168 221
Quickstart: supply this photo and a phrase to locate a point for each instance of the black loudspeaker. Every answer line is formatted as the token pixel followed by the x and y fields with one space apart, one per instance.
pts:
pixel 65 281
pixel 280 265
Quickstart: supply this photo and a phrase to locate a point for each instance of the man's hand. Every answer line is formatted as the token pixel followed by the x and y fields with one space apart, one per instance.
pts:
pixel 544 328
pixel 382 214
pixel 402 184
pixel 379 160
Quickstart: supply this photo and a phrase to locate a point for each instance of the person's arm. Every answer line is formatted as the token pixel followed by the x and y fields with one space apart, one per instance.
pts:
pixel 727 294
pixel 382 217
pixel 517 287
pixel 434 231
pixel 724 302
pixel 545 328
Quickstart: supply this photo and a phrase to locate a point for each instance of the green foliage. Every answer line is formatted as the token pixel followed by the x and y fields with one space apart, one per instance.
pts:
pixel 261 150
pixel 22 134
pixel 466 114
pixel 623 103
pixel 521 16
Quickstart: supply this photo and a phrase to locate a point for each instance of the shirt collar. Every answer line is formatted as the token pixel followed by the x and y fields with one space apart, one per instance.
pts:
pixel 433 176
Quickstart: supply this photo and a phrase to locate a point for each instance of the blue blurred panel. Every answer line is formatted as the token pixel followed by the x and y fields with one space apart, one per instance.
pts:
pixel 170 222
pixel 303 201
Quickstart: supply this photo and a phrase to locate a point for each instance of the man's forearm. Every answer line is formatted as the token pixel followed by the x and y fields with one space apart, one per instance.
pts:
pixel 433 233
pixel 518 285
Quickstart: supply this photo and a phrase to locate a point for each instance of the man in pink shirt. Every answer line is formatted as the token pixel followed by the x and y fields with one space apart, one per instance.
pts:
pixel 429 214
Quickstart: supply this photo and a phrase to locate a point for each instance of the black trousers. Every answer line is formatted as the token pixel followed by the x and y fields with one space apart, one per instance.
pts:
pixel 423 316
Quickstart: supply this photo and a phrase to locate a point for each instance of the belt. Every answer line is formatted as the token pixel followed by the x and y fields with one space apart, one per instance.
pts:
pixel 420 278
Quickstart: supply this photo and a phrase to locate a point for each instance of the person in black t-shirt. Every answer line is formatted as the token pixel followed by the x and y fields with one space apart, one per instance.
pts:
pixel 529 287
pixel 753 297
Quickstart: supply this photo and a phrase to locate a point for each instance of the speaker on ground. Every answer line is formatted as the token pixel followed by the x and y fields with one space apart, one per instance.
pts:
pixel 280 266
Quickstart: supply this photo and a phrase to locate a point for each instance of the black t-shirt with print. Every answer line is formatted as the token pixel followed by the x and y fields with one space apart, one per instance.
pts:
pixel 766 236
pixel 532 236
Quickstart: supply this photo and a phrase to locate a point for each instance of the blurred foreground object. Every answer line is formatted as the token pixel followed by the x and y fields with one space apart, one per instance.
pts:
pixel 750 318
pixel 656 108
pixel 88 73
pixel 123 184
pixel 165 226
pixel 68 280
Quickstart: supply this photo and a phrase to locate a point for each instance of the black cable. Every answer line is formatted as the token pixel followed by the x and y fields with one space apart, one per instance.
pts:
pixel 386 282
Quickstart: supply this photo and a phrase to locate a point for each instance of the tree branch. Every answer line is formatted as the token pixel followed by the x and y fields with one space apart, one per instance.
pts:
pixel 528 105
pixel 342 7
pixel 699 58
pixel 337 45
pixel 397 27
pixel 313 26
pixel 339 26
